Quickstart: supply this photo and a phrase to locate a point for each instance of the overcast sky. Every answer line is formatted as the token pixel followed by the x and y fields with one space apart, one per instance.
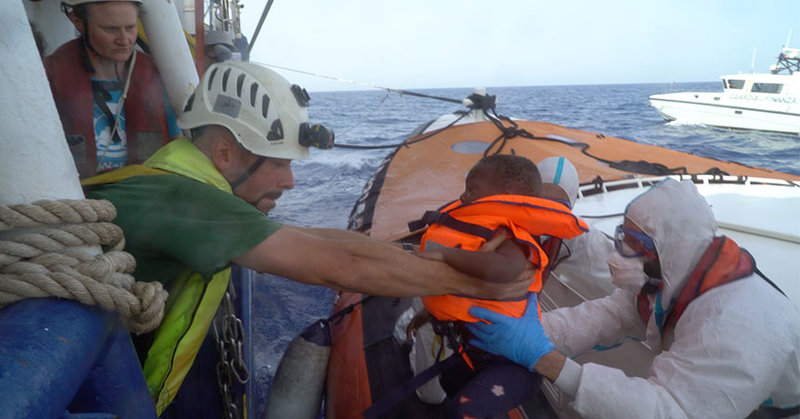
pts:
pixel 468 43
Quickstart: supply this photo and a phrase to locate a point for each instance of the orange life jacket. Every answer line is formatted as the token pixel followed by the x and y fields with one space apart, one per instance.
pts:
pixel 723 262
pixel 468 226
pixel 145 121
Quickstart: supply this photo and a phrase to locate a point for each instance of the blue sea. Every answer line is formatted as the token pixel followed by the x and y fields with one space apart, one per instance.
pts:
pixel 327 185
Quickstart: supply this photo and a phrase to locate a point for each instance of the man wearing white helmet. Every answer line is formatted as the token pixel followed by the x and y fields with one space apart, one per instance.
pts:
pixel 727 339
pixel 109 96
pixel 196 206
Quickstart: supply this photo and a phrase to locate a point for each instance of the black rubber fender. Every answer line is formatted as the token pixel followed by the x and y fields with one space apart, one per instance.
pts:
pixel 300 380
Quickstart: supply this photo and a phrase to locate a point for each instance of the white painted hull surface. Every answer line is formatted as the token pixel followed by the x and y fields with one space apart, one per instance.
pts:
pixel 720 110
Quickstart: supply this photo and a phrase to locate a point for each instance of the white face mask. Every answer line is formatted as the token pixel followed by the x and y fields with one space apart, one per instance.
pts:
pixel 627 273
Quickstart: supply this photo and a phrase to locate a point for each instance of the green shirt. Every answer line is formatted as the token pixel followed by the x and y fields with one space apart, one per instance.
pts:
pixel 172 223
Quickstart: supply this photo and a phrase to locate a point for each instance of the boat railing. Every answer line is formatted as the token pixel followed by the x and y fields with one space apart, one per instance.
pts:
pixel 600 186
pixel 788 59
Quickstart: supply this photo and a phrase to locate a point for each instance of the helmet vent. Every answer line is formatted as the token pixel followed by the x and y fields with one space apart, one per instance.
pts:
pixel 189 103
pixel 264 105
pixel 254 95
pixel 276 131
pixel 211 78
pixel 239 83
pixel 301 95
pixel 225 79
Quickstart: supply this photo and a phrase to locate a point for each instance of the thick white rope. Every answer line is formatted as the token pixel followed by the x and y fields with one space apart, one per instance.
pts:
pixel 49 257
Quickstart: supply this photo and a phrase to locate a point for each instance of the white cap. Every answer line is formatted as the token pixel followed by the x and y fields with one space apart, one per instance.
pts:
pixel 562 173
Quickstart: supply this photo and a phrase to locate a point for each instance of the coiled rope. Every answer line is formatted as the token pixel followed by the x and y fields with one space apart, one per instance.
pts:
pixel 50 258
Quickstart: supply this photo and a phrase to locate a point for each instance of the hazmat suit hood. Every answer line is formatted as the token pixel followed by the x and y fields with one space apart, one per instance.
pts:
pixel 682 226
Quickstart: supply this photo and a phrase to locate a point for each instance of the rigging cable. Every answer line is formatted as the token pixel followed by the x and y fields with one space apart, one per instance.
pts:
pixel 374 110
pixel 508 132
pixel 389 89
pixel 405 142
pixel 258 27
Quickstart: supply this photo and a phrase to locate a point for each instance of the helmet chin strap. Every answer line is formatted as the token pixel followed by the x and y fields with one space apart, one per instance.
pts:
pixel 87 46
pixel 248 172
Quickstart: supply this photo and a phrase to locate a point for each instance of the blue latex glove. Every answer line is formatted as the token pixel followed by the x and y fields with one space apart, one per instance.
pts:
pixel 521 340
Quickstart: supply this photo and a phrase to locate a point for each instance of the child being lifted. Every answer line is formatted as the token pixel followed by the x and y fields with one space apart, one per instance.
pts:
pixel 501 196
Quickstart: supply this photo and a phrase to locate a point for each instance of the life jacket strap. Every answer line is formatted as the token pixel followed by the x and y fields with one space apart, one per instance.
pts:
pixel 443 218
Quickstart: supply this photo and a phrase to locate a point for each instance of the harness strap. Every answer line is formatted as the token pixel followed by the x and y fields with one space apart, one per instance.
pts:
pixel 769 281
pixel 101 95
pixel 401 392
pixel 450 337
pixel 453 338
pixel 778 412
pixel 441 218
pixel 551 247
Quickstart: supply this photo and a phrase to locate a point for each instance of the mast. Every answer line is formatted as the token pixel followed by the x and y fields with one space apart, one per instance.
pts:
pixel 169 50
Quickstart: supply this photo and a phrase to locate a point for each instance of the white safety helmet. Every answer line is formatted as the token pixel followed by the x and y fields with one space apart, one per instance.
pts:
pixel 260 108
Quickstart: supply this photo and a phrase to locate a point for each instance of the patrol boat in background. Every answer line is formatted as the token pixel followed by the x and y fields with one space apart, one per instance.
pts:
pixel 756 101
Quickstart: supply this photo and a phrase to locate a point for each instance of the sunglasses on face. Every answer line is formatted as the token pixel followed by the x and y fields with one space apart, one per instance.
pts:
pixel 626 247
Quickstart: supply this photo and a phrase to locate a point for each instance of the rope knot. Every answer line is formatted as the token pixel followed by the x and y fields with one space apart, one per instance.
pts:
pixel 152 297
pixel 509 133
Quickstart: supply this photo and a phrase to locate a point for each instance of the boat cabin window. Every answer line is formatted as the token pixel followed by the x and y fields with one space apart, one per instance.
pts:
pixel 766 88
pixel 735 84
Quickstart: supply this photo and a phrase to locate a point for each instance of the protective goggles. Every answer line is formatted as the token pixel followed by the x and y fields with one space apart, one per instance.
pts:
pixel 646 245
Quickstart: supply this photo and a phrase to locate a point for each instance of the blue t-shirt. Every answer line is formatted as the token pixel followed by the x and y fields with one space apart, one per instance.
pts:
pixel 112 152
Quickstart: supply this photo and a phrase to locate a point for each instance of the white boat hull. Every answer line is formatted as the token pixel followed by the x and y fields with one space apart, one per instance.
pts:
pixel 721 110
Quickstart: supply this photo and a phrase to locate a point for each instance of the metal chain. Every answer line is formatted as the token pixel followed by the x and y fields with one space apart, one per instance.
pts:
pixel 231 363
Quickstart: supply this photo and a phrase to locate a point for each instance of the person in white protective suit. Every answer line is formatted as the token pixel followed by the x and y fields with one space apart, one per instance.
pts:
pixel 559 180
pixel 728 343
pixel 583 256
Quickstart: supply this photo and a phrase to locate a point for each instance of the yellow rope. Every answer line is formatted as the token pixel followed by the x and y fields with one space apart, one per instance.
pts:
pixel 47 255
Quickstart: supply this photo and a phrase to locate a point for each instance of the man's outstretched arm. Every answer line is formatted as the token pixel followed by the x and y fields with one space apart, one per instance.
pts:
pixel 352 261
